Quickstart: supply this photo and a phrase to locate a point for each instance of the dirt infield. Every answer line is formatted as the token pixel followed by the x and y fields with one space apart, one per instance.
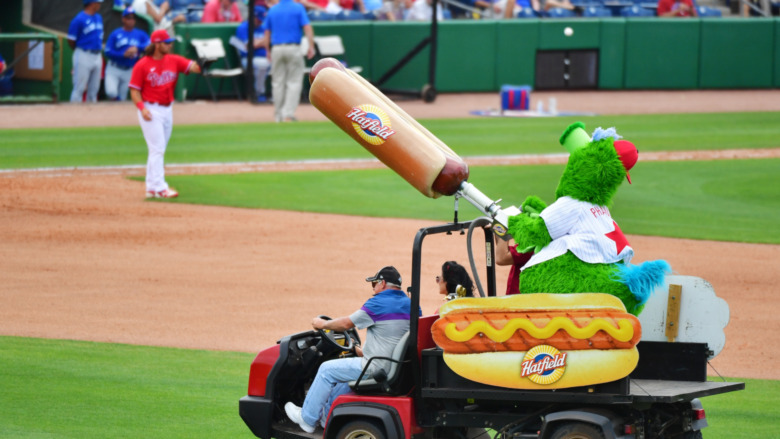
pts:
pixel 85 257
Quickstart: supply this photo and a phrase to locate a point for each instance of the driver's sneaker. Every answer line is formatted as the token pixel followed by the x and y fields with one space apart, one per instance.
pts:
pixel 294 413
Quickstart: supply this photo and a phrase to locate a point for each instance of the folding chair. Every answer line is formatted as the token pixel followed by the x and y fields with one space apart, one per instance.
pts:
pixel 209 51
pixel 333 46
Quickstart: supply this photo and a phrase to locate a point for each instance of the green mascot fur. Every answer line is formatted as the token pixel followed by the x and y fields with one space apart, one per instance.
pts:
pixel 578 247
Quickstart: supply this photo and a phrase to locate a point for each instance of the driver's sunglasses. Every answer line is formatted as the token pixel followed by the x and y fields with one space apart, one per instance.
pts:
pixel 373 283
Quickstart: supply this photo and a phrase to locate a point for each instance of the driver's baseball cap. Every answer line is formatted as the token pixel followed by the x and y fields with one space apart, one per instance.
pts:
pixel 388 274
pixel 161 36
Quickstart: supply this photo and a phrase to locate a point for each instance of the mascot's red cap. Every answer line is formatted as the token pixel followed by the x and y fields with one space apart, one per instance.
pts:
pixel 628 155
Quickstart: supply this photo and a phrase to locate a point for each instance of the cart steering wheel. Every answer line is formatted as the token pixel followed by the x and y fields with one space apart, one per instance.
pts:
pixel 332 337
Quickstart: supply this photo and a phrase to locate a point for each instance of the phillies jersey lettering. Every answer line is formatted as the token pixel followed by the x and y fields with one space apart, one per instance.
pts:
pixel 586 230
pixel 156 79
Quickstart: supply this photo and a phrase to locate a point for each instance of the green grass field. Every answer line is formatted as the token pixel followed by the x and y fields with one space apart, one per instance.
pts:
pixel 323 140
pixel 84 390
pixel 67 389
pixel 726 200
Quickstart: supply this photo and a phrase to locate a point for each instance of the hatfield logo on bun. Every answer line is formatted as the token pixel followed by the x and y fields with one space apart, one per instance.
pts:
pixel 371 123
pixel 543 365
pixel 538 341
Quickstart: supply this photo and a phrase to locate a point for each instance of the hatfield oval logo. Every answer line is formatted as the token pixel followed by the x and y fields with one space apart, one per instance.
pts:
pixel 543 365
pixel 371 123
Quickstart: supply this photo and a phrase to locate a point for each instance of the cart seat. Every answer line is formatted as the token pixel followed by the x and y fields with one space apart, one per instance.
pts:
pixel 385 383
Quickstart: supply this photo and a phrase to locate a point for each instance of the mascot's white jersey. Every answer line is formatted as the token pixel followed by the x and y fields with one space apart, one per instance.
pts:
pixel 585 229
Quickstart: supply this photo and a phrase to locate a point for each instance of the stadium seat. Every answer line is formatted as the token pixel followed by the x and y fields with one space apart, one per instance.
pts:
pixel 561 13
pixel 636 11
pixel 596 11
pixel 350 15
pixel 527 13
pixel 707 12
pixel 321 16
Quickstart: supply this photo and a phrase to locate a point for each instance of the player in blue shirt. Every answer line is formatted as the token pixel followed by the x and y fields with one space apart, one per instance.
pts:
pixel 85 37
pixel 284 26
pixel 125 46
pixel 259 60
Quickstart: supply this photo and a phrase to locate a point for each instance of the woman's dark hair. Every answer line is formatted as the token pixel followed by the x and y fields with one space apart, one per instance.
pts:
pixel 454 274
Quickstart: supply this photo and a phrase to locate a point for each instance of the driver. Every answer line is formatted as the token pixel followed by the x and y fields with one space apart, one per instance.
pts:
pixel 386 317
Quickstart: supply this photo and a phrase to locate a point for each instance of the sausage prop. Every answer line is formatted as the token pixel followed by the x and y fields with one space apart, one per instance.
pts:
pixel 396 138
pixel 539 341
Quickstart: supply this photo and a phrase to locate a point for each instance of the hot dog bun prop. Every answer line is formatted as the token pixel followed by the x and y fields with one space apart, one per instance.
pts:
pixel 395 138
pixel 539 341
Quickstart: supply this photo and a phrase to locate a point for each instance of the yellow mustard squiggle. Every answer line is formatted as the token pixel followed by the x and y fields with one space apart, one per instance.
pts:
pixel 624 331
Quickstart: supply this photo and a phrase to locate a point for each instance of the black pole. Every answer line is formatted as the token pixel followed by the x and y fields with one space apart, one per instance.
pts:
pixel 428 93
pixel 250 54
pixel 433 42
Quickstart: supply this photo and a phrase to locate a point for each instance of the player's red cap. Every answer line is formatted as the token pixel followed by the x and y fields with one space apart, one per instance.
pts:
pixel 161 36
pixel 628 155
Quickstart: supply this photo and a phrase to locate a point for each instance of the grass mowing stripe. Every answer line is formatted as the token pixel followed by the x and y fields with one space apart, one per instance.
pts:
pixel 84 390
pixel 726 200
pixel 71 389
pixel 35 148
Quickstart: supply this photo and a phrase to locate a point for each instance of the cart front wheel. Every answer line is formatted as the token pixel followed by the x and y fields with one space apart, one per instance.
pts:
pixel 361 430
pixel 577 430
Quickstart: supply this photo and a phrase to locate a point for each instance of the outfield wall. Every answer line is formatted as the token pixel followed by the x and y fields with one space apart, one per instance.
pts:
pixel 483 55
pixel 632 53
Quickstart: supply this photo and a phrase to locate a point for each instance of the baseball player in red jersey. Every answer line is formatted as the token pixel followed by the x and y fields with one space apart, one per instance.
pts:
pixel 151 89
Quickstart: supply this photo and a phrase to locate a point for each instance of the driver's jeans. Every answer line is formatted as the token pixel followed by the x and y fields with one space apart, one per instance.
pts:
pixel 330 383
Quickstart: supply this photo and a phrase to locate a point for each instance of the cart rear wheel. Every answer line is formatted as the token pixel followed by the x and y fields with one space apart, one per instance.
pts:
pixel 361 430
pixel 577 430
pixel 693 435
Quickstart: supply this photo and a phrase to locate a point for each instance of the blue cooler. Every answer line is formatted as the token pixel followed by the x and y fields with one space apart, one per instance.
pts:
pixel 515 97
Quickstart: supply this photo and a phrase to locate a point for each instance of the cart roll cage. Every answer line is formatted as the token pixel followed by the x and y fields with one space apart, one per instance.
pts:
pixel 414 288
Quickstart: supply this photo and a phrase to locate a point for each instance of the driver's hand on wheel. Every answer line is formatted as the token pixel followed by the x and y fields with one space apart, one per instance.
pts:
pixel 318 323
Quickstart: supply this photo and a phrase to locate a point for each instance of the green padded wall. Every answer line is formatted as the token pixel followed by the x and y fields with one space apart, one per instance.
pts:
pixel 776 54
pixel 516 52
pixel 66 86
pixel 464 63
pixel 585 34
pixel 390 43
pixel 737 53
pixel 662 53
pixel 612 50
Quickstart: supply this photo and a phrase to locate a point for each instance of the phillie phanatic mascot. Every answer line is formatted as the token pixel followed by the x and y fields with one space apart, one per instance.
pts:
pixel 578 247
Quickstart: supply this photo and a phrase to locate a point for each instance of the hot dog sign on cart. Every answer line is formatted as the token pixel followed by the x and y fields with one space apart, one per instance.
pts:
pixel 539 341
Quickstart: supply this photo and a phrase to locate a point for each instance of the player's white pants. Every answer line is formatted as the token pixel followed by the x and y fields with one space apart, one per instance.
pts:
pixel 286 79
pixel 157 132
pixel 261 72
pixel 117 82
pixel 86 75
